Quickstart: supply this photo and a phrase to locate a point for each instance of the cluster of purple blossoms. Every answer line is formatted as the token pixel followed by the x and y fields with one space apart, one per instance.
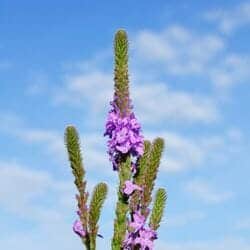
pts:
pixel 125 137
pixel 139 235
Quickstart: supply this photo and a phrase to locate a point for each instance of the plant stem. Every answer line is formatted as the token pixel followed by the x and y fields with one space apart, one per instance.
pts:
pixel 120 223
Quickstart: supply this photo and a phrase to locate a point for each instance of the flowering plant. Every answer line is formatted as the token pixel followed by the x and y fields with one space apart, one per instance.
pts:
pixel 136 161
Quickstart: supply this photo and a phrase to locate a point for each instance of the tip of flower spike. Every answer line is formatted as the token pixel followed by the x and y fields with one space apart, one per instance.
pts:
pixel 121 45
pixel 121 34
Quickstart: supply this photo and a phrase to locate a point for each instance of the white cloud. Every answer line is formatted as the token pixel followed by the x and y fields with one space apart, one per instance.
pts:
pixel 229 20
pixel 183 153
pixel 155 102
pixel 183 219
pixel 36 196
pixel 207 193
pixel 94 86
pixel 180 154
pixel 178 50
pixel 22 190
pixel 52 141
pixel 234 69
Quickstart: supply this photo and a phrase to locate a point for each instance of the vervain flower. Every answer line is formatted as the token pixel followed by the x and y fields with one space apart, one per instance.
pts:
pixel 139 235
pixel 78 229
pixel 143 238
pixel 130 187
pixel 137 222
pixel 124 134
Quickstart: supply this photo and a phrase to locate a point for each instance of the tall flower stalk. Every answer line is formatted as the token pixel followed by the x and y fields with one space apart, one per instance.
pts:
pixel 86 226
pixel 136 162
pixel 123 131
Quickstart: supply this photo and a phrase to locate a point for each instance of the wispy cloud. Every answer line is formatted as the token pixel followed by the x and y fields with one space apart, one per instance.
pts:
pixel 229 20
pixel 207 193
pixel 22 191
pixel 15 126
pixel 178 49
pixel 232 70
pixel 45 201
pixel 183 219
pixel 164 104
pixel 188 152
pixel 82 88
pixel 52 142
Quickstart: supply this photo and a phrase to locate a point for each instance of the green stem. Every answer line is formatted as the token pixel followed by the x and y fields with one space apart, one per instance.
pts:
pixel 122 101
pixel 93 244
pixel 120 223
pixel 86 243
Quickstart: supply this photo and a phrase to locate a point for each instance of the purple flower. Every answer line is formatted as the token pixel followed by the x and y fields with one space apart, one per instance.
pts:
pixel 145 239
pixel 138 221
pixel 139 235
pixel 129 240
pixel 130 187
pixel 78 229
pixel 124 134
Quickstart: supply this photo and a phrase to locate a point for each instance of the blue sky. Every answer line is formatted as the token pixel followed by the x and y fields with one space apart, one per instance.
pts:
pixel 189 71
